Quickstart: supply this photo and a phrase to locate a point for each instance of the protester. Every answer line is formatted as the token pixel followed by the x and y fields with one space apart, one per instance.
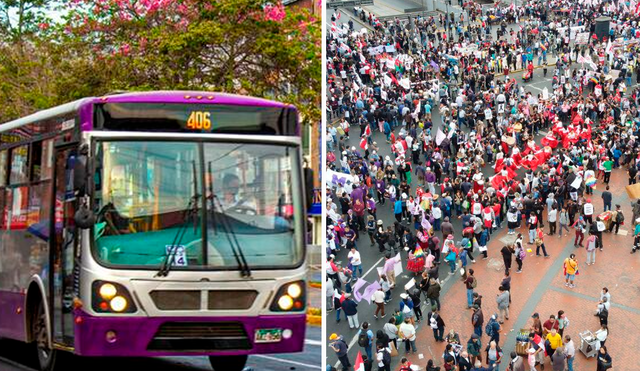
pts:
pixel 570 270
pixel 408 335
pixel 604 359
pixel 340 347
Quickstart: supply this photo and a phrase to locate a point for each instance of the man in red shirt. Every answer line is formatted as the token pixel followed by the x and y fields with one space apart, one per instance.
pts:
pixel 549 324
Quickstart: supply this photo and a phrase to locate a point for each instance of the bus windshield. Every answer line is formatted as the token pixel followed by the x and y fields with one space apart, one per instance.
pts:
pixel 200 202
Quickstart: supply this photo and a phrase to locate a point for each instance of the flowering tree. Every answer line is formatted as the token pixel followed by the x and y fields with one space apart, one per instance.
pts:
pixel 21 17
pixel 237 46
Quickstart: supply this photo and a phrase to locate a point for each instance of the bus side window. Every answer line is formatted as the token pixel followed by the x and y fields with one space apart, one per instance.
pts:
pixel 3 168
pixel 35 166
pixel 18 174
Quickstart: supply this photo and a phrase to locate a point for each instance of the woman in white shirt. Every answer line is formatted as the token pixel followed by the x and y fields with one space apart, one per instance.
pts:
pixel 601 335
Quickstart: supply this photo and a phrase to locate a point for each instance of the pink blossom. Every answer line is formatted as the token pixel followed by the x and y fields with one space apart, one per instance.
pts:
pixel 275 13
pixel 125 49
pixel 43 26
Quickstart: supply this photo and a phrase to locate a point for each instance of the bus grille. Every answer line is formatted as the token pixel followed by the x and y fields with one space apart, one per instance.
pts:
pixel 228 300
pixel 200 337
pixel 176 300
pixel 190 299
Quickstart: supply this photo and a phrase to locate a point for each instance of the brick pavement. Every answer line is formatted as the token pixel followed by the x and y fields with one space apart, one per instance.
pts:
pixel 540 288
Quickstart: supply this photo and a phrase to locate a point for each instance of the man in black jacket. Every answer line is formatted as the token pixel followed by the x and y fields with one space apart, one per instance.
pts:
pixel 464 363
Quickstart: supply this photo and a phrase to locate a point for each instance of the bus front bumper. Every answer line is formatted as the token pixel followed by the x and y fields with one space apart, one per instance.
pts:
pixel 182 336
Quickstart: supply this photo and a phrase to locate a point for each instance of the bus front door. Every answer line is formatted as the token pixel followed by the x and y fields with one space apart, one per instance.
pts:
pixel 64 280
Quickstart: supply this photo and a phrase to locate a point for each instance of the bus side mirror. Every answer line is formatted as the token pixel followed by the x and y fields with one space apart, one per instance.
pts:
pixel 80 176
pixel 84 218
pixel 308 186
pixel 80 171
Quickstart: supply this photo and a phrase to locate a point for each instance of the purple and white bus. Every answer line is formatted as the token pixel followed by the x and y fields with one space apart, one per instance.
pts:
pixel 154 224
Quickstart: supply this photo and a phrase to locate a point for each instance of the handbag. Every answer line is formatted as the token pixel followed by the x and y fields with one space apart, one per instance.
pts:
pixel 394 351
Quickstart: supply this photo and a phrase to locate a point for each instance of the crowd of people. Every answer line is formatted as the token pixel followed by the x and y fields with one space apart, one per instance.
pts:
pixel 484 163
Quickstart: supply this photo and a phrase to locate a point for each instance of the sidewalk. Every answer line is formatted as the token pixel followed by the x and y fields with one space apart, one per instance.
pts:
pixel 540 288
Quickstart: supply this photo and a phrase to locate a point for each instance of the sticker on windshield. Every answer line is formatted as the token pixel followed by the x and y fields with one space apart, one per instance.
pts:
pixel 179 255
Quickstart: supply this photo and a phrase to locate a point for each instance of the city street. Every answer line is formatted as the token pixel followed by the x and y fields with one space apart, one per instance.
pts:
pixel 540 287
pixel 16 357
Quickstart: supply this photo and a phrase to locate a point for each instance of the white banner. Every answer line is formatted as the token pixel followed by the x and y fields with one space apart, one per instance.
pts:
pixel 440 136
pixel 390 49
pixel 582 38
pixel 405 83
pixel 376 50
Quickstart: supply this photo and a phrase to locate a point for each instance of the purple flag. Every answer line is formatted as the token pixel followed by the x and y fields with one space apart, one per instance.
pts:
pixel 354 290
pixel 368 292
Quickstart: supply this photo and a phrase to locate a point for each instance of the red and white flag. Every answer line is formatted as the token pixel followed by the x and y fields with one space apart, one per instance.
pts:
pixel 364 145
pixel 367 131
pixel 338 15
pixel 359 366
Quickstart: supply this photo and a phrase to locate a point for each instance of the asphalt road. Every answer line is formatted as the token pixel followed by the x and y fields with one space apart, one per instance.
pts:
pixel 15 356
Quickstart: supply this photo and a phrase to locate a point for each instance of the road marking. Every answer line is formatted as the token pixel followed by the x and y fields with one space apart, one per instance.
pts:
pixel 315 367
pixel 313 342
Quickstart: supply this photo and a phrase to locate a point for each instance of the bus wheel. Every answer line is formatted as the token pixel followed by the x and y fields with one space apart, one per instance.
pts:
pixel 228 363
pixel 48 358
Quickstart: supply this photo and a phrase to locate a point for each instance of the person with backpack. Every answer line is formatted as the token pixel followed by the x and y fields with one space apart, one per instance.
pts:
pixel 405 365
pixel 494 354
pixel 517 362
pixel 341 348
pixel 471 283
pixel 492 329
pixel 365 338
pixel 371 228
pixel 383 357
pixel 616 219
pixel 477 320
pixel 437 325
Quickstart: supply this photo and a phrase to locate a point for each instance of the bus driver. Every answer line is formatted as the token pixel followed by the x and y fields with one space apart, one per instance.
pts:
pixel 230 199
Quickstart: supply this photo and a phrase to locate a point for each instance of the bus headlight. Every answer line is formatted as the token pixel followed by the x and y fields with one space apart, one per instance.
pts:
pixel 108 291
pixel 285 302
pixel 111 297
pixel 290 298
pixel 294 290
pixel 118 304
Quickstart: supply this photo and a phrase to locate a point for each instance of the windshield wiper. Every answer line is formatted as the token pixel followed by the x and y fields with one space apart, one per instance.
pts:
pixel 245 271
pixel 190 212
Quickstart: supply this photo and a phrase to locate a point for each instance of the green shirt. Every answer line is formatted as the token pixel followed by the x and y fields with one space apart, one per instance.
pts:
pixel 608 165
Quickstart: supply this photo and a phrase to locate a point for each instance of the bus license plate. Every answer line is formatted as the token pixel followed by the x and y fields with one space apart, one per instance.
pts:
pixel 268 335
